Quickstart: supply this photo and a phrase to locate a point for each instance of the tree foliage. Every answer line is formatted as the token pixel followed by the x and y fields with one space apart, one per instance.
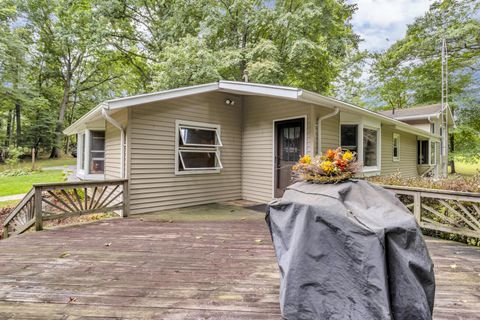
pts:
pixel 59 58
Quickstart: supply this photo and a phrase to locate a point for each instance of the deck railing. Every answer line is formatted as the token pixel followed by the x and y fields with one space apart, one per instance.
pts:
pixel 51 201
pixel 442 210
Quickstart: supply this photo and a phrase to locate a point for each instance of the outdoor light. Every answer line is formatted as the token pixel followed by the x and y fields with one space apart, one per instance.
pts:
pixel 229 102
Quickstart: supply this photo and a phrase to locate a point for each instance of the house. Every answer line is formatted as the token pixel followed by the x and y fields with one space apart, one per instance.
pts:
pixel 436 120
pixel 231 140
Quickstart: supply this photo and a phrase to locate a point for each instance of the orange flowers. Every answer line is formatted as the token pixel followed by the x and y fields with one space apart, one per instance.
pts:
pixel 333 166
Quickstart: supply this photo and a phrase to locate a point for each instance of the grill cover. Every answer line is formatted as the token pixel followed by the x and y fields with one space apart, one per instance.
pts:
pixel 349 251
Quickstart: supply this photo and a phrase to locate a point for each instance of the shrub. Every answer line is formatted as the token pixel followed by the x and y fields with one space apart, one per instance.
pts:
pixel 15 172
pixel 13 156
pixel 454 183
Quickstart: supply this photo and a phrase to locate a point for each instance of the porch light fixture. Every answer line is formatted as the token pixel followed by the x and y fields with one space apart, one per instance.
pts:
pixel 229 102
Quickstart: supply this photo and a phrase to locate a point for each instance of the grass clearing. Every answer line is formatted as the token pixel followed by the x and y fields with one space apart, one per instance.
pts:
pixel 42 163
pixel 22 184
pixel 466 169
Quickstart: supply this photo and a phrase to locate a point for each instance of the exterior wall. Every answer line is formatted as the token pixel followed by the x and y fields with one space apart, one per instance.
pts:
pixel 407 165
pixel 330 127
pixel 112 145
pixel 258 138
pixel 153 183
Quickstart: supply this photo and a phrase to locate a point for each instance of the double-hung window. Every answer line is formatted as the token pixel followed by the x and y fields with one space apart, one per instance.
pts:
pixel 91 154
pixel 197 147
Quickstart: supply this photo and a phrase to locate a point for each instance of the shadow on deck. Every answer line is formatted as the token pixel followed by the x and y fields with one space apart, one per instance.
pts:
pixel 206 262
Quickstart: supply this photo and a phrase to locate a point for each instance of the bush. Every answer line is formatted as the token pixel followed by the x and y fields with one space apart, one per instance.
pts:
pixel 15 172
pixel 13 156
pixel 454 183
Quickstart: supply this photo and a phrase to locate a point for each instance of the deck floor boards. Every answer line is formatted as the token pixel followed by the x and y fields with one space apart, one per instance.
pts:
pixel 160 267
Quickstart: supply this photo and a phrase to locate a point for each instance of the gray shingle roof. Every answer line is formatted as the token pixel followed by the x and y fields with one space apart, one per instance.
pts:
pixel 413 111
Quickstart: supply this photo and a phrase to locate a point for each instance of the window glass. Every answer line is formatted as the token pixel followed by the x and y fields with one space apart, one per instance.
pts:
pixel 396 146
pixel 97 152
pixel 432 127
pixel 369 147
pixel 422 152
pixel 198 136
pixel 349 137
pixel 198 160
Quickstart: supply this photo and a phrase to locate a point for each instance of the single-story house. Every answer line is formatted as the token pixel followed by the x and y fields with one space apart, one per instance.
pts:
pixel 233 140
pixel 435 119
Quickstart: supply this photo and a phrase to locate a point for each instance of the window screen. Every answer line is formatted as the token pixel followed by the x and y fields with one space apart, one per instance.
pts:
pixel 396 146
pixel 194 136
pixel 97 152
pixel 369 147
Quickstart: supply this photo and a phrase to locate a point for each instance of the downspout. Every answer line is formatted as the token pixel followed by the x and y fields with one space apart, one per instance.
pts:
pixel 117 125
pixel 319 127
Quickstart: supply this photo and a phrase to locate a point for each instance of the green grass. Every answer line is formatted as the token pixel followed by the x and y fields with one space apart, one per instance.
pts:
pixel 466 169
pixel 42 163
pixel 22 184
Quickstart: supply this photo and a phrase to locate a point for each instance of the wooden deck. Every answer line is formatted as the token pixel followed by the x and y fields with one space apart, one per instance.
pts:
pixel 210 262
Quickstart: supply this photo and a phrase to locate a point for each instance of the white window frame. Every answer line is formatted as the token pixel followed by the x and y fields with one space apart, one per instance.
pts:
pixel 85 173
pixel 196 147
pixel 369 124
pixel 396 136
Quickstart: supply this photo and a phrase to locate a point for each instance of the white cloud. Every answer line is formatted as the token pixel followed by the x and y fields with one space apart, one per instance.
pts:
pixel 382 22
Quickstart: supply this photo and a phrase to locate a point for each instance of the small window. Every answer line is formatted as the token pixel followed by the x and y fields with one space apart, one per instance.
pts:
pixel 97 152
pixel 422 152
pixel 199 137
pixel 370 141
pixel 197 148
pixel 396 147
pixel 432 127
pixel 433 152
pixel 349 137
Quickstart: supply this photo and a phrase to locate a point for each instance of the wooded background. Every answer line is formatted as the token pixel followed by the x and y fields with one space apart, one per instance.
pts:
pixel 59 58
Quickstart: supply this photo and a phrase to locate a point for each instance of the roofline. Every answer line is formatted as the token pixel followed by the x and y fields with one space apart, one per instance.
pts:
pixel 242 88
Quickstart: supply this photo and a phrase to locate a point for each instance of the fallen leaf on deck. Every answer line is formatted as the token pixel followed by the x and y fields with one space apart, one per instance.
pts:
pixel 72 299
pixel 108 244
pixel 258 241
pixel 64 255
pixel 198 237
pixel 453 266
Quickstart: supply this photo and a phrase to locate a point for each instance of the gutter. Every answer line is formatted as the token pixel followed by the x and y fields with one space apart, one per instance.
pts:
pixel 117 125
pixel 319 127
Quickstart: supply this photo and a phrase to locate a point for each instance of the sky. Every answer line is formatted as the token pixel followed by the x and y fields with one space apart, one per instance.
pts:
pixel 381 22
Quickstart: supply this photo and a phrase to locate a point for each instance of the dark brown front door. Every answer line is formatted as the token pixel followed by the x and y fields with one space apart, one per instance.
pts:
pixel 289 147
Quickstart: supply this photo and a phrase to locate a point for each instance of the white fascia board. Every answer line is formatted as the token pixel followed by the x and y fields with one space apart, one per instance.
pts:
pixel 159 96
pixel 79 124
pixel 248 88
pixel 311 97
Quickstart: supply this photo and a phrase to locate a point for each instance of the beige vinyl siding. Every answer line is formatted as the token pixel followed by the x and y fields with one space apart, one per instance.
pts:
pixel 112 145
pixel 330 127
pixel 153 183
pixel 257 156
pixel 408 153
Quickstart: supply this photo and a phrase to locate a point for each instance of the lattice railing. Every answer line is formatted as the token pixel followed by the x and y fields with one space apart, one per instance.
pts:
pixel 61 200
pixel 442 210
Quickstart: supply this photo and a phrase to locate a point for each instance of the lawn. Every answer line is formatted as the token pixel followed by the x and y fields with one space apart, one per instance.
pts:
pixel 22 184
pixel 466 169
pixel 42 163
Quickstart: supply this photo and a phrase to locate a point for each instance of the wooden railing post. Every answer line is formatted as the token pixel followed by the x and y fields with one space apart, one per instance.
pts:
pixel 38 209
pixel 417 206
pixel 5 232
pixel 125 199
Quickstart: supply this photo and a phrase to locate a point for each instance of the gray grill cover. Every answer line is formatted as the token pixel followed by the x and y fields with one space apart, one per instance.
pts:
pixel 349 251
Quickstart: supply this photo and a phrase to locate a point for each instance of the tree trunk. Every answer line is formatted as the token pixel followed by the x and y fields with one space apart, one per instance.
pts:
pixel 18 110
pixel 57 147
pixel 452 149
pixel 8 135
